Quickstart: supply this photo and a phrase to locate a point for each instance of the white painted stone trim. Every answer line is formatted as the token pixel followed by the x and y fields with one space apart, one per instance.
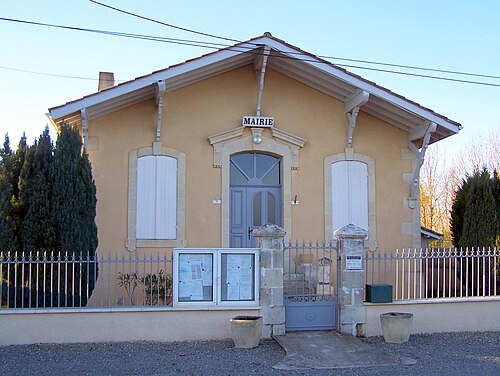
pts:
pixel 235 141
pixel 132 243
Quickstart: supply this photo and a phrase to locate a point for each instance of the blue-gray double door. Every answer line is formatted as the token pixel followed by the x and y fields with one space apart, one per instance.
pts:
pixel 255 195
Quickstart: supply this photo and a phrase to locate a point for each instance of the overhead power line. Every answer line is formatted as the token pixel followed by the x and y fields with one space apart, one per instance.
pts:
pixel 122 34
pixel 296 53
pixel 235 48
pixel 47 74
pixel 163 23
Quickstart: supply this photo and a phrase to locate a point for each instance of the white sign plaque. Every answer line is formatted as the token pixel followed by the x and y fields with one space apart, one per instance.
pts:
pixel 354 263
pixel 258 121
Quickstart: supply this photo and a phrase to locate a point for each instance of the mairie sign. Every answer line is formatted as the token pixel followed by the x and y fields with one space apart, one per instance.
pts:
pixel 258 121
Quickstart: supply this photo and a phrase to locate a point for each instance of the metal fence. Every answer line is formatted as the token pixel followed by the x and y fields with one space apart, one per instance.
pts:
pixel 436 273
pixel 310 268
pixel 64 280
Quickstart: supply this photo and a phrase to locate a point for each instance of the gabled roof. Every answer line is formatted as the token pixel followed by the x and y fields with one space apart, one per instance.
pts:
pixel 284 58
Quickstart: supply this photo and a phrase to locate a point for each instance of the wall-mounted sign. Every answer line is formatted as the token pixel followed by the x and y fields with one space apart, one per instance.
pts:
pixel 258 121
pixel 354 263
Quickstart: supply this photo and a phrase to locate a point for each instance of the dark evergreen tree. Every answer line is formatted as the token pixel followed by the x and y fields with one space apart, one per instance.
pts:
pixel 33 204
pixel 18 209
pixel 496 194
pixel 480 221
pixel 458 211
pixel 35 195
pixel 48 203
pixel 73 209
pixel 7 240
pixel 475 223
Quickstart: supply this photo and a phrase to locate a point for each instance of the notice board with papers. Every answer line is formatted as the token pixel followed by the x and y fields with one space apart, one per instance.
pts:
pixel 237 277
pixel 221 276
pixel 195 282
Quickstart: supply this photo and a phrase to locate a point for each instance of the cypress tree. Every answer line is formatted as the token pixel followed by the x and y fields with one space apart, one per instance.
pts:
pixel 458 211
pixel 35 194
pixel 475 223
pixel 496 194
pixel 18 209
pixel 7 240
pixel 480 222
pixel 73 208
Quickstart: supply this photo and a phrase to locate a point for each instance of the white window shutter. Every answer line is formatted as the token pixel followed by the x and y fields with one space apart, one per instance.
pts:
pixel 340 195
pixel 358 198
pixel 349 194
pixel 166 198
pixel 145 210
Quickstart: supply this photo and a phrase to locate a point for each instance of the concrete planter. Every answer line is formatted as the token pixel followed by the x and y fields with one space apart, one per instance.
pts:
pixel 246 331
pixel 396 326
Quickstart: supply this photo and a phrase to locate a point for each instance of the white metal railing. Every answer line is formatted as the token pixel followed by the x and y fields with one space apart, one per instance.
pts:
pixel 45 280
pixel 436 273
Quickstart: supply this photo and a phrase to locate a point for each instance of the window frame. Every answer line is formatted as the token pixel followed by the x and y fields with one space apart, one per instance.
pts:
pixel 132 242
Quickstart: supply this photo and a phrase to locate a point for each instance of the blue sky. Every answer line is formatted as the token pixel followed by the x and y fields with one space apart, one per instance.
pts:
pixel 453 35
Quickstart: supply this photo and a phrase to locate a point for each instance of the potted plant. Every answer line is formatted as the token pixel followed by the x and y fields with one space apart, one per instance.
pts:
pixel 157 288
pixel 246 331
pixel 396 326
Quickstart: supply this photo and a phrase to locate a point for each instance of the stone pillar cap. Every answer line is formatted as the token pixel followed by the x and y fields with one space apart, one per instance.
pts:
pixel 268 230
pixel 351 232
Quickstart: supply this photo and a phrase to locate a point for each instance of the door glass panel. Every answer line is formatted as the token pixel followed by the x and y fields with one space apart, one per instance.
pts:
pixel 257 218
pixel 237 178
pixel 245 162
pixel 273 177
pixel 271 209
pixel 264 163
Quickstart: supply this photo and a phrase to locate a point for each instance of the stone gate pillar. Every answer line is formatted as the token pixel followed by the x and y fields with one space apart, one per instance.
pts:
pixel 351 240
pixel 270 241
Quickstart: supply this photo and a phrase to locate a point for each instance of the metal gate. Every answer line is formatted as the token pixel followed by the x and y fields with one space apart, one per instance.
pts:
pixel 310 286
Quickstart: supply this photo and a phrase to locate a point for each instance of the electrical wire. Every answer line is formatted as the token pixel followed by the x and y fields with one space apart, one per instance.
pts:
pixel 48 74
pixel 122 34
pixel 295 53
pixel 235 48
pixel 163 23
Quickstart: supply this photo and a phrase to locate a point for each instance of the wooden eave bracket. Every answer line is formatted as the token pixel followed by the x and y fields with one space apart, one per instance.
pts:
pixel 161 88
pixel 260 68
pixel 420 154
pixel 85 128
pixel 351 110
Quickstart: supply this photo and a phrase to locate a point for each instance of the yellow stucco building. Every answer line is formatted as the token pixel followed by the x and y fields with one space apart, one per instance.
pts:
pixel 200 153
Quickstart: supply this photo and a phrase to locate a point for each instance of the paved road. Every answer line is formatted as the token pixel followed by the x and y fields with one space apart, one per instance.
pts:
pixel 437 354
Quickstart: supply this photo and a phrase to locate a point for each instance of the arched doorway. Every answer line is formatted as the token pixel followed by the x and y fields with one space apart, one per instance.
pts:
pixel 255 185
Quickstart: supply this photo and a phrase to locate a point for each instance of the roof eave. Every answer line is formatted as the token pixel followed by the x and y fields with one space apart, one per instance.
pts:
pixel 206 64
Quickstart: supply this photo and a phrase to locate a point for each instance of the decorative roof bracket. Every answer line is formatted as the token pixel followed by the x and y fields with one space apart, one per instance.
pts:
pixel 351 116
pixel 262 64
pixel 160 92
pixel 420 154
pixel 85 128
pixel 351 110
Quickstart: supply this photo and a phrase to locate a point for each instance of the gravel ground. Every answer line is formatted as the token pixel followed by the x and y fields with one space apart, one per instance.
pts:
pixel 436 354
